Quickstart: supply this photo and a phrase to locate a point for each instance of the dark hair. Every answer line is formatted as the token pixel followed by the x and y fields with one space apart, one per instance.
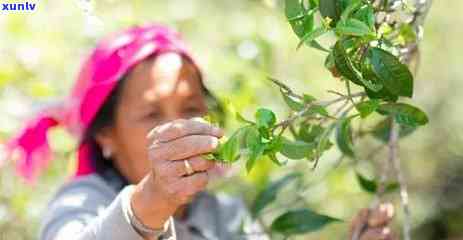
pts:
pixel 106 117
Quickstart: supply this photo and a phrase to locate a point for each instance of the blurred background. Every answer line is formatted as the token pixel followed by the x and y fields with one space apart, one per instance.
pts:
pixel 239 44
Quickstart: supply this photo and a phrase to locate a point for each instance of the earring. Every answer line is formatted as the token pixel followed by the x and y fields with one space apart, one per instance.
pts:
pixel 107 152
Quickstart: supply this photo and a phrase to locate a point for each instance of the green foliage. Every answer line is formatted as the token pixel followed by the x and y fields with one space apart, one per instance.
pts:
pixel 296 149
pixel 361 55
pixel 344 137
pixel 371 186
pixel 404 114
pixel 301 221
pixel 265 118
pixel 367 107
pixel 394 75
pixel 269 194
pixel 382 130
pixel 366 184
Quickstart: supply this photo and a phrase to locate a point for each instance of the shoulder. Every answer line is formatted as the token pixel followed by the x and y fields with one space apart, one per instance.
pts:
pixel 84 192
pixel 79 200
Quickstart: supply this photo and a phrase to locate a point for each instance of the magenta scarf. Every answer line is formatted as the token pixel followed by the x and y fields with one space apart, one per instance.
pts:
pixel 110 60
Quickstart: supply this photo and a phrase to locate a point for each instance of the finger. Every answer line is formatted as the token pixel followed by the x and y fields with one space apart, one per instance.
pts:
pixel 381 216
pixel 359 222
pixel 377 234
pixel 181 128
pixel 198 164
pixel 184 147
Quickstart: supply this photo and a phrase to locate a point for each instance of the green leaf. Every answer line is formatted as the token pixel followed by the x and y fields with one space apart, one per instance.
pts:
pixel 265 118
pixel 345 66
pixel 272 156
pixel 294 103
pixel 303 26
pixel 309 133
pixel 303 23
pixel 344 137
pixel 366 14
pixel 315 44
pixel 230 150
pixel 254 146
pixel 372 187
pixel 293 9
pixel 379 92
pixel 255 152
pixel 296 149
pixel 404 114
pixel 312 35
pixel 308 98
pixel 367 107
pixel 353 27
pixel 382 130
pixel 331 9
pixel 301 221
pixel 395 76
pixel 353 5
pixel 366 184
pixel 269 194
pixel 383 93
pixel 324 142
pixel 252 137
pixel 313 4
pixel 329 61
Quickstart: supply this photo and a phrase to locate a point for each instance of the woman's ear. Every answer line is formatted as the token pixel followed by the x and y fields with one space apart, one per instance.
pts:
pixel 105 139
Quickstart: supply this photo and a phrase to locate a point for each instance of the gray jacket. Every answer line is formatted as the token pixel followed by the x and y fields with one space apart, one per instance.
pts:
pixel 92 208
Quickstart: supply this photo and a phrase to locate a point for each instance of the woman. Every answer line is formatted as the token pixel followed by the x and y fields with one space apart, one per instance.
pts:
pixel 140 173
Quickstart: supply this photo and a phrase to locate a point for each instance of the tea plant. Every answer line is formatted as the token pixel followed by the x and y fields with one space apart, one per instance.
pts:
pixel 374 42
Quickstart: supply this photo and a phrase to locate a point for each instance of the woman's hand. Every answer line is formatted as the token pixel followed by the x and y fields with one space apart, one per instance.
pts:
pixel 373 224
pixel 168 186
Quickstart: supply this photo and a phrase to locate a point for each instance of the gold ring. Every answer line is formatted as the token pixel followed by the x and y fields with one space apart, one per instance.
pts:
pixel 188 168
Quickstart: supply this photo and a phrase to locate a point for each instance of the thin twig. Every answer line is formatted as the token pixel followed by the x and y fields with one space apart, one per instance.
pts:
pixel 340 99
pixel 395 161
pixel 283 87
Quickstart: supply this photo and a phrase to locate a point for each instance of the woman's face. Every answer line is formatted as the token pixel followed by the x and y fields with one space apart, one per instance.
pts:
pixel 156 91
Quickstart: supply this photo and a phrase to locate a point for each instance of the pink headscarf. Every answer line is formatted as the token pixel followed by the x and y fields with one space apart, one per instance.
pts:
pixel 110 60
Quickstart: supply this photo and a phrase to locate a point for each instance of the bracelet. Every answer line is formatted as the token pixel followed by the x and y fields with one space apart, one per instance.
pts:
pixel 141 228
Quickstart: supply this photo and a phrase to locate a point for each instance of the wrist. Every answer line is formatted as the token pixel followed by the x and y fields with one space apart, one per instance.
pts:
pixel 150 206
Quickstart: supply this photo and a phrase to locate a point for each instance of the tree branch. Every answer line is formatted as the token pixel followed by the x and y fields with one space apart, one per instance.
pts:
pixel 395 161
